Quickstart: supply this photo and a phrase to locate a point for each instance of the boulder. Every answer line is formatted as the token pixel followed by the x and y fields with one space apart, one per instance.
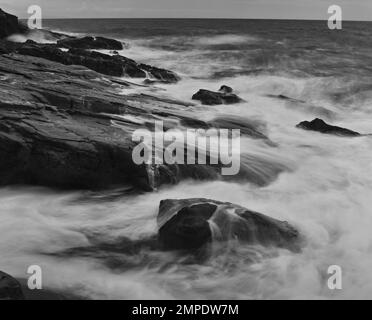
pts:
pixel 91 43
pixel 321 126
pixel 10 288
pixel 224 96
pixel 9 25
pixel 189 224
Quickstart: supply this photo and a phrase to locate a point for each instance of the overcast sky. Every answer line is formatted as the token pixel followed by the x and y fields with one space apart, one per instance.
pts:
pixel 279 9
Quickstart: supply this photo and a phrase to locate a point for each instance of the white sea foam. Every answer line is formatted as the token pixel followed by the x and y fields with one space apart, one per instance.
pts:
pixel 230 39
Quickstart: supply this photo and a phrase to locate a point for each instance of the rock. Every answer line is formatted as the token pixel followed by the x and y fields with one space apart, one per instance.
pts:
pixel 62 126
pixel 111 65
pixel 87 59
pixel 192 223
pixel 7 47
pixel 216 98
pixel 116 65
pixel 320 126
pixel 9 25
pixel 164 76
pixel 53 132
pixel 30 41
pixel 91 43
pixel 66 126
pixel 225 89
pixel 10 288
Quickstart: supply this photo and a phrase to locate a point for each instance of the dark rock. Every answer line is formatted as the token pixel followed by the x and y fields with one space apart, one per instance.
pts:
pixel 192 223
pixel 10 288
pixel 52 131
pixel 9 25
pixel 65 126
pixel 77 55
pixel 61 126
pixel 30 41
pixel 7 47
pixel 163 75
pixel 216 98
pixel 98 62
pixel 106 64
pixel 320 126
pixel 91 43
pixel 225 89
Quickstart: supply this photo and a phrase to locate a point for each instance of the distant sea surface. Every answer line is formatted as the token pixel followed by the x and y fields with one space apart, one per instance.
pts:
pixel 293 46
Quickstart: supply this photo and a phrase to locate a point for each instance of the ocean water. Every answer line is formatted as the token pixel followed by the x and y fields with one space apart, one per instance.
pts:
pixel 325 193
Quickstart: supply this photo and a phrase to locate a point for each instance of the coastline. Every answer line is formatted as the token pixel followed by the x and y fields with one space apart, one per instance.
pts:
pixel 104 227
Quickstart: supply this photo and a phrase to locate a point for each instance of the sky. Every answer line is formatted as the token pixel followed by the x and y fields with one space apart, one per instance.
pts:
pixel 265 9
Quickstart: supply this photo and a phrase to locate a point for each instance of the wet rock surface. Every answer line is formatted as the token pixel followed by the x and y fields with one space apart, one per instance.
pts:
pixel 224 96
pixel 91 43
pixel 192 223
pixel 9 25
pixel 65 125
pixel 10 288
pixel 112 65
pixel 321 126
pixel 68 127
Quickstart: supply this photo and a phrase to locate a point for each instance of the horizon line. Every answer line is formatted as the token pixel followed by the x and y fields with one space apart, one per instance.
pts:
pixel 193 18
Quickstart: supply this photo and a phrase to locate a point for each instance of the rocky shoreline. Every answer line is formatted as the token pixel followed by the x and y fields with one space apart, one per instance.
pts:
pixel 66 123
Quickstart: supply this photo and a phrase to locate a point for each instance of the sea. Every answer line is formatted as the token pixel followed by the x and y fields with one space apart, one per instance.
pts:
pixel 287 71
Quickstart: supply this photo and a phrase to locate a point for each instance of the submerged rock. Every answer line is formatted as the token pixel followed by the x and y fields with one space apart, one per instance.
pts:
pixel 320 126
pixel 10 288
pixel 192 223
pixel 91 43
pixel 224 96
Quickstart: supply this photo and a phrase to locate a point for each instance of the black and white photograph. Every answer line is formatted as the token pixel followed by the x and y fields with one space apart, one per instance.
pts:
pixel 201 151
